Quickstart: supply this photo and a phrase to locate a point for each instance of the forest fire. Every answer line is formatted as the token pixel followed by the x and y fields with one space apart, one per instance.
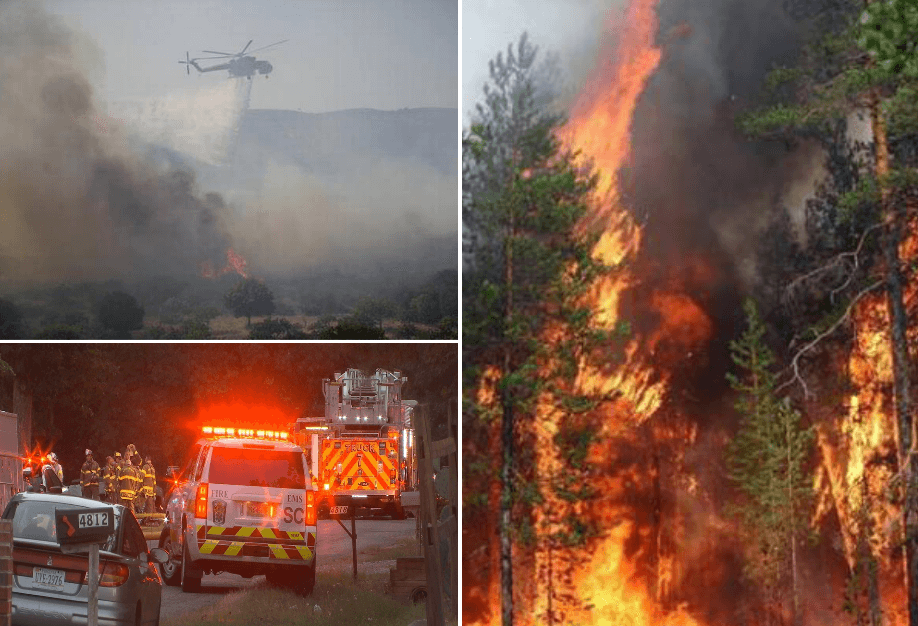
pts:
pixel 235 262
pixel 665 551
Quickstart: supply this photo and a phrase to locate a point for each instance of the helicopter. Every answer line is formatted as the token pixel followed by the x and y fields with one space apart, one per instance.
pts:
pixel 238 64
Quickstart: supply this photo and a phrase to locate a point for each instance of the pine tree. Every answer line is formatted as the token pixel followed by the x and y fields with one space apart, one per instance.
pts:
pixel 528 269
pixel 767 463
pixel 871 64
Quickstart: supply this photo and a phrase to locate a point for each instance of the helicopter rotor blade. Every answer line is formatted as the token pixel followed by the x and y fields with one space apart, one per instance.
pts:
pixel 270 46
pixel 246 47
pixel 226 54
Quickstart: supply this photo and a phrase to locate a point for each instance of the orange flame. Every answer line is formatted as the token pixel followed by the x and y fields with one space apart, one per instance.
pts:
pixel 606 588
pixel 600 129
pixel 235 262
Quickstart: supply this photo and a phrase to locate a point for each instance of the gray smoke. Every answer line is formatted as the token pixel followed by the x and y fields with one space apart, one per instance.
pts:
pixel 75 201
pixel 702 188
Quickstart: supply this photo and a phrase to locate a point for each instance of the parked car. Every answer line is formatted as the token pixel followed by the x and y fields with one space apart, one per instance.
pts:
pixel 50 587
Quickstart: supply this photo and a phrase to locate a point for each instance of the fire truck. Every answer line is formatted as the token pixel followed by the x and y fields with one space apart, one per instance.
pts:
pixel 362 450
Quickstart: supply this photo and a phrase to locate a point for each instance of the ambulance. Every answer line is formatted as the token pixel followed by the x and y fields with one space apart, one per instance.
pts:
pixel 245 504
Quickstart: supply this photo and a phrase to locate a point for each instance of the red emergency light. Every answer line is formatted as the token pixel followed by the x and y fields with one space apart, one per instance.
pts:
pixel 245 433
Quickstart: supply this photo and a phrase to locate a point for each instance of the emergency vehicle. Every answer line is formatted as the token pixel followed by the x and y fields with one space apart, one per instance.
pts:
pixel 362 450
pixel 244 504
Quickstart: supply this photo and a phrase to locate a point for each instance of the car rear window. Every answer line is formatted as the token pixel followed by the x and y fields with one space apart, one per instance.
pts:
pixel 34 519
pixel 257 468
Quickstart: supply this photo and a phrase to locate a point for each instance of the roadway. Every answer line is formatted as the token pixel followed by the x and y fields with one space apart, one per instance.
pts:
pixel 333 554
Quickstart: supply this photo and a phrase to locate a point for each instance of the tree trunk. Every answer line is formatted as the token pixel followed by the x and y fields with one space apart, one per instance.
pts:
pixel 506 475
pixel 874 610
pixel 908 463
pixel 795 597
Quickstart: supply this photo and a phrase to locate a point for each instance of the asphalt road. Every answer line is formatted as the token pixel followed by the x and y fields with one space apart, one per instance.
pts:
pixel 333 552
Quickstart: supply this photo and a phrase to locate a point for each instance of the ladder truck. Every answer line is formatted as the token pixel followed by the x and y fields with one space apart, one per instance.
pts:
pixel 362 450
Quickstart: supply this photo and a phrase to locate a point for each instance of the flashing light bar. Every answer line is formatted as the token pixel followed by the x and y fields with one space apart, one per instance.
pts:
pixel 245 433
pixel 314 428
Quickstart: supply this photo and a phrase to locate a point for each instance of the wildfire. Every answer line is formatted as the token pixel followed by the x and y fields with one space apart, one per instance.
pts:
pixel 607 587
pixel 235 262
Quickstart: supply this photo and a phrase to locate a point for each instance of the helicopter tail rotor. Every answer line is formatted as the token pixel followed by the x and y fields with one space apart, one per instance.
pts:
pixel 187 63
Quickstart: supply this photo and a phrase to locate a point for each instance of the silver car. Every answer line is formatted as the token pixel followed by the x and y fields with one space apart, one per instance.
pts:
pixel 50 587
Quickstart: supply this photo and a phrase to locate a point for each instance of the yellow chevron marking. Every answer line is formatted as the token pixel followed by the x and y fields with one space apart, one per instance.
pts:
pixel 234 548
pixel 295 536
pixel 208 546
pixel 267 533
pixel 305 552
pixel 279 552
pixel 215 530
pixel 245 531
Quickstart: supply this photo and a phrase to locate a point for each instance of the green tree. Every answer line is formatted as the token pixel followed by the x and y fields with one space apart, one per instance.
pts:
pixel 374 310
pixel 119 313
pixel 249 297
pixel 766 461
pixel 528 266
pixel 11 325
pixel 872 64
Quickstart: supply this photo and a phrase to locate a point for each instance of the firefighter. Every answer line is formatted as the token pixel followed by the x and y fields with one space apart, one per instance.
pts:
pixel 138 481
pixel 149 484
pixel 89 480
pixel 56 466
pixel 126 484
pixel 109 480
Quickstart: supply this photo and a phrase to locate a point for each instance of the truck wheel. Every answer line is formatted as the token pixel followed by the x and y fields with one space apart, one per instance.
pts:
pixel 191 580
pixel 169 570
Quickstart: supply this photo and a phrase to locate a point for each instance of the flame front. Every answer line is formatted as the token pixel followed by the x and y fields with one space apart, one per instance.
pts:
pixel 235 262
pixel 638 571
pixel 606 587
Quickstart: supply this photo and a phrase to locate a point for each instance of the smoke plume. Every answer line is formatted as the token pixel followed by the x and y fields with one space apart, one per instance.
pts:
pixel 76 202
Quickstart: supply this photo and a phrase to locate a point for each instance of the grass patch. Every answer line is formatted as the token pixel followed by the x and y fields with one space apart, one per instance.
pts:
pixel 406 547
pixel 339 598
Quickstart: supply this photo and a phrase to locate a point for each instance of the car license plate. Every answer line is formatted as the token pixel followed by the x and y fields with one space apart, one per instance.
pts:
pixel 258 509
pixel 48 578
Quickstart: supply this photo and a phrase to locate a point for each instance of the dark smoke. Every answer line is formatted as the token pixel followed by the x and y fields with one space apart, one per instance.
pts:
pixel 75 202
pixel 704 192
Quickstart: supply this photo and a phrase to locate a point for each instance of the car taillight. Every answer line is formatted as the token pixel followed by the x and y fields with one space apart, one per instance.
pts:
pixel 310 508
pixel 200 502
pixel 111 574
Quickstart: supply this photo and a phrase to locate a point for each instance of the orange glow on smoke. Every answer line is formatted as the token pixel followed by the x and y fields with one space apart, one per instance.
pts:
pixel 241 415
pixel 235 262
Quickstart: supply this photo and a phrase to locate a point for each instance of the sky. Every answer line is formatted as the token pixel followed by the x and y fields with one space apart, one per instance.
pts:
pixel 341 54
pixel 568 28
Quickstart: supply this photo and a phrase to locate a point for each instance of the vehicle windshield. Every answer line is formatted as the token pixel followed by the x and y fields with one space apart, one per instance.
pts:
pixel 257 468
pixel 34 519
